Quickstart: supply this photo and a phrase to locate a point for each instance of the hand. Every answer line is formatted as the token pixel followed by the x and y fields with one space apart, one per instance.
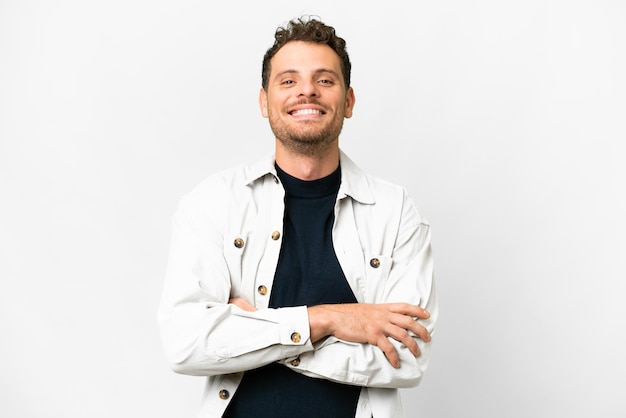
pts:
pixel 242 303
pixel 371 323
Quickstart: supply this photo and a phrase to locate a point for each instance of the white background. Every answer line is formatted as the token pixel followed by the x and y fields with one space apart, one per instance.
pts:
pixel 504 120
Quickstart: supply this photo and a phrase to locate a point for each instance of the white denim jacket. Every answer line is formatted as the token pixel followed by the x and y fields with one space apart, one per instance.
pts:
pixel 225 243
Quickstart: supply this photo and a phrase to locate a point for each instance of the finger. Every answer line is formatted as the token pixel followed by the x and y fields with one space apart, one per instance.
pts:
pixel 389 351
pixel 421 331
pixel 401 335
pixel 242 304
pixel 423 313
pixel 410 310
pixel 412 325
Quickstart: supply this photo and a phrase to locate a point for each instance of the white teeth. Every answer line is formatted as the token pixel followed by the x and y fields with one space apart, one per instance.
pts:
pixel 306 112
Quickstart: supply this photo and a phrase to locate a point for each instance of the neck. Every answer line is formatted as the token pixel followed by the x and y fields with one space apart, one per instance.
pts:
pixel 307 167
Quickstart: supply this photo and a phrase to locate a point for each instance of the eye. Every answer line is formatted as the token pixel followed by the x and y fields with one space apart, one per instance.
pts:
pixel 326 82
pixel 287 82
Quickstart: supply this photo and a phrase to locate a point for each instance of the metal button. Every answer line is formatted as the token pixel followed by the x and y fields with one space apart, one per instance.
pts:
pixel 295 337
pixel 374 262
pixel 239 243
pixel 262 290
pixel 275 235
pixel 224 394
pixel 295 362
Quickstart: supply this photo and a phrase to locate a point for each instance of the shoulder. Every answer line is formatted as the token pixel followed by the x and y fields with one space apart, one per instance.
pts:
pixel 232 182
pixel 379 195
pixel 395 197
pixel 219 182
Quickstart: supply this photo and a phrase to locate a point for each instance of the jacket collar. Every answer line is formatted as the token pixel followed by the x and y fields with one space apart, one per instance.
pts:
pixel 353 180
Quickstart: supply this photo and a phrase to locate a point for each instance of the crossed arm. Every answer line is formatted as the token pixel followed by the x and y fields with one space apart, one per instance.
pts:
pixel 365 323
pixel 206 332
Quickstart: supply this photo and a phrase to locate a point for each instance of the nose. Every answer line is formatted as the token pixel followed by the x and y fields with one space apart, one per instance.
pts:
pixel 308 89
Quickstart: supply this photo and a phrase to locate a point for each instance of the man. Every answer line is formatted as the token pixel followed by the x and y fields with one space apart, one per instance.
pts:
pixel 300 286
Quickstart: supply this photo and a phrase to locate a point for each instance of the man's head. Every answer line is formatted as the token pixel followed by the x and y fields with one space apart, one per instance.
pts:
pixel 305 95
pixel 307 30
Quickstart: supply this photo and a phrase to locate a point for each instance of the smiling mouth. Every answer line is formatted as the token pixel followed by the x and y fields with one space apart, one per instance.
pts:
pixel 300 112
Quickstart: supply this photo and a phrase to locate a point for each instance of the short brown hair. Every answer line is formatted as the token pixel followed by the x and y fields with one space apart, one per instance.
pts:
pixel 308 30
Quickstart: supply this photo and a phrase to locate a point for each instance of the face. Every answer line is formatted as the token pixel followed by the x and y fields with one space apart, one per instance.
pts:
pixel 306 99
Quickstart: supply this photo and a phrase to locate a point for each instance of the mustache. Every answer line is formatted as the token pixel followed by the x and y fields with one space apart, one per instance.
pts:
pixel 302 102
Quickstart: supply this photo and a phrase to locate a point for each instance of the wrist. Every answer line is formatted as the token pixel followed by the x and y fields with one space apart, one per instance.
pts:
pixel 319 323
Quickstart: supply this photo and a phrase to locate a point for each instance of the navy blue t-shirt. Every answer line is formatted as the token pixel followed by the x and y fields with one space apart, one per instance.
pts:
pixel 308 273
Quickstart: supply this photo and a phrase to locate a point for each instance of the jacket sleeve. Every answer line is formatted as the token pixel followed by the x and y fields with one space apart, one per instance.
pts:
pixel 201 333
pixel 410 279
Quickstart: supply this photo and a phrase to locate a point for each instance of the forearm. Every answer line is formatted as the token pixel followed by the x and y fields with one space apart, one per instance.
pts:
pixel 366 364
pixel 361 364
pixel 225 339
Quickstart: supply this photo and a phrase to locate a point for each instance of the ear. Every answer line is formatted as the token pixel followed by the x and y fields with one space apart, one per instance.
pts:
pixel 263 102
pixel 350 100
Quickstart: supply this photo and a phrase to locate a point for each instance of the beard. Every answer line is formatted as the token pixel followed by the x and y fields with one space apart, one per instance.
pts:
pixel 307 137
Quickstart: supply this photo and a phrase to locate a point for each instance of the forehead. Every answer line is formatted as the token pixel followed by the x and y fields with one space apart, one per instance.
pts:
pixel 303 56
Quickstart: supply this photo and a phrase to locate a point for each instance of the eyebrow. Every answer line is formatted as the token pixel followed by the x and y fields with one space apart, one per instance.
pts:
pixel 318 71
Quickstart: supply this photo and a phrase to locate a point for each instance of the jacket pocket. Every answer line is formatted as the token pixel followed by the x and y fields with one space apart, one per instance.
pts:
pixel 377 269
pixel 235 244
